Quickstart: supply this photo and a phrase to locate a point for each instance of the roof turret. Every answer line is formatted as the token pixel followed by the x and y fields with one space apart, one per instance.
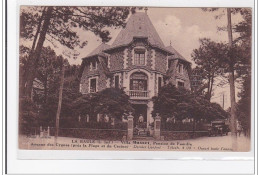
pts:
pixel 140 26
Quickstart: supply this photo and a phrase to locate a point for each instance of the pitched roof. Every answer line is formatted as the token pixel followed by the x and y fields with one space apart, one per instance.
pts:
pixel 138 25
pixel 98 50
pixel 176 55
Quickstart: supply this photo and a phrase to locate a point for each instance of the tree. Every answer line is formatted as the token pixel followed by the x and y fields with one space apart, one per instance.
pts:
pixel 244 105
pixel 82 106
pixel 232 62
pixel 46 87
pixel 59 24
pixel 112 101
pixel 28 115
pixel 244 28
pixel 206 58
pixel 166 102
pixel 181 103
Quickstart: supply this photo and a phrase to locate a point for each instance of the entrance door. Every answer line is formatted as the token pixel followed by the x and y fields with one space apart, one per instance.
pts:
pixel 140 109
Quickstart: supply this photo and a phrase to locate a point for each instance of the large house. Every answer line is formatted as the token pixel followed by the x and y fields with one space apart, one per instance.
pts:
pixel 137 61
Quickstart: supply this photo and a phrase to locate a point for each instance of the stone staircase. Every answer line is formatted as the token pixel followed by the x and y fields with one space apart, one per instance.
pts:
pixel 143 138
pixel 143 135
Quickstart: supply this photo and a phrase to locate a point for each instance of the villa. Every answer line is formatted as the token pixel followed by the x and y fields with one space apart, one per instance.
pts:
pixel 137 61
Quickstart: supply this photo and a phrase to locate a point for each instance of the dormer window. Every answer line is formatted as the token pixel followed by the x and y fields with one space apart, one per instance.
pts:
pixel 139 57
pixel 93 65
pixel 180 68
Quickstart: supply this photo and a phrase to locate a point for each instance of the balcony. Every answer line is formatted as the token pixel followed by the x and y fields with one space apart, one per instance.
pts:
pixel 137 94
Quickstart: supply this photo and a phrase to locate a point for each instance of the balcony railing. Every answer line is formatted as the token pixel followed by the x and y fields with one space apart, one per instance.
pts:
pixel 136 94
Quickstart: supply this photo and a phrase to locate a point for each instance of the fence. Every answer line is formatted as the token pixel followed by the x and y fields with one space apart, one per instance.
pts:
pixel 182 135
pixel 181 131
pixel 83 133
pixel 179 126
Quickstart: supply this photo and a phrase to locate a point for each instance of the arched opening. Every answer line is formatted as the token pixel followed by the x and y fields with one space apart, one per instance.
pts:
pixel 138 85
pixel 138 81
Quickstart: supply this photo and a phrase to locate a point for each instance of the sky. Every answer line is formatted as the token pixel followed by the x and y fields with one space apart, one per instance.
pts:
pixel 182 27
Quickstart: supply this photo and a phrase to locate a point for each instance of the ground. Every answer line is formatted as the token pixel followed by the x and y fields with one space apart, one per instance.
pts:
pixel 218 143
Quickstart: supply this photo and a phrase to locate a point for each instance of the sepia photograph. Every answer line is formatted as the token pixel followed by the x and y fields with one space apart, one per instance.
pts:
pixel 135 78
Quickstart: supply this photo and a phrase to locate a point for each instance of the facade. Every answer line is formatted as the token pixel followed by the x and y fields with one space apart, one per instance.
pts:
pixel 137 61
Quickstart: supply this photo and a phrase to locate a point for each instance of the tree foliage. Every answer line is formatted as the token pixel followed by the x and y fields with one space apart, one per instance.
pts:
pixel 206 58
pixel 110 101
pixel 28 115
pixel 66 20
pixel 46 86
pixel 238 57
pixel 60 24
pixel 181 103
pixel 244 105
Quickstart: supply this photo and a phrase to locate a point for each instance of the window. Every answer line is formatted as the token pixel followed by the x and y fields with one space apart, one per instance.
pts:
pixel 93 65
pixel 117 81
pixel 139 57
pixel 93 85
pixel 138 81
pixel 159 83
pixel 180 84
pixel 180 68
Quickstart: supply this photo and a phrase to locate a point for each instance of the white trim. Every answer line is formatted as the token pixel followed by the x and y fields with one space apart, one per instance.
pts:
pixel 125 58
pixel 125 77
pixel 108 83
pixel 153 59
pixel 80 87
pixel 108 61
pixel 90 66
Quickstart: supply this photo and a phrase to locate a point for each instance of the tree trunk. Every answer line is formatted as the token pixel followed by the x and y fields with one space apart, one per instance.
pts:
pixel 35 55
pixel 232 87
pixel 38 29
pixel 208 95
pixel 30 62
pixel 211 86
pixel 59 103
pixel 45 83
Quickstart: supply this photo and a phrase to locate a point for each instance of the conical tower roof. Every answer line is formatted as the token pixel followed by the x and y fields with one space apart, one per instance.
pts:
pixel 139 25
